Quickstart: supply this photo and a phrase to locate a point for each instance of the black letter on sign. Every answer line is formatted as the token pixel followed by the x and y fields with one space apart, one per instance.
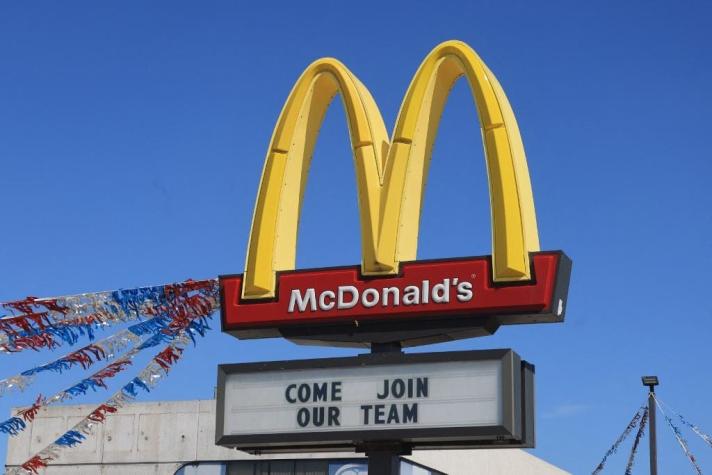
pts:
pixel 318 419
pixel 410 414
pixel 384 395
pixel 336 391
pixel 319 392
pixel 393 415
pixel 303 417
pixel 379 413
pixel 304 392
pixel 334 416
pixel 291 399
pixel 422 389
pixel 365 410
pixel 398 388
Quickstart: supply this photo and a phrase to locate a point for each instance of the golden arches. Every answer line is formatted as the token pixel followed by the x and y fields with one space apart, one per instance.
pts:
pixel 514 230
pixel 273 238
pixel 390 177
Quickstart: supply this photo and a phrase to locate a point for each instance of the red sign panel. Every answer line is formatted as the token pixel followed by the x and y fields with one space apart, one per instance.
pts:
pixel 441 290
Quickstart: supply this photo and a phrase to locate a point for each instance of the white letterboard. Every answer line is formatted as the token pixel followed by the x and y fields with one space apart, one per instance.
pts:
pixel 416 395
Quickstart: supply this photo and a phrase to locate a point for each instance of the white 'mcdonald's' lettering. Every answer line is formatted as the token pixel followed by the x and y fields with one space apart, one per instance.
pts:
pixel 348 296
pixel 299 301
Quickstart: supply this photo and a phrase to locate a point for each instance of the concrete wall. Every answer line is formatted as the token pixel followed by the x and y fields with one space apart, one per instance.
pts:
pixel 157 438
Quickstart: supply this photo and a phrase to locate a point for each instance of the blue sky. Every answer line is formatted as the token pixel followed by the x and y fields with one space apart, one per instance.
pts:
pixel 132 137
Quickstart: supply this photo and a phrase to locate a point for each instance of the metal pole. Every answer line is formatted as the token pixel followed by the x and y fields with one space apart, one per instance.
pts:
pixel 384 457
pixel 653 440
pixel 383 462
pixel 651 382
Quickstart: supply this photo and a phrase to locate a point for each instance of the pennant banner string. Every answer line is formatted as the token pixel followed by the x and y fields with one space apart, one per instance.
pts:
pixel 85 357
pixel 146 380
pixel 707 438
pixel 182 309
pixel 51 322
pixel 172 315
pixel 636 443
pixel 680 439
pixel 56 304
pixel 105 349
pixel 614 448
pixel 190 325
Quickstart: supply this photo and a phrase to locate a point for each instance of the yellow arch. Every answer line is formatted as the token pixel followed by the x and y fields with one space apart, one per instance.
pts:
pixel 514 229
pixel 390 178
pixel 273 238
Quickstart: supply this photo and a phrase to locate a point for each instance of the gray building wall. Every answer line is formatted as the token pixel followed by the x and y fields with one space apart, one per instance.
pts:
pixel 157 438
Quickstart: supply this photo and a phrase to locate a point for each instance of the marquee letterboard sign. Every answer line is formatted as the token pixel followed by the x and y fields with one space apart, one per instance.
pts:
pixel 453 399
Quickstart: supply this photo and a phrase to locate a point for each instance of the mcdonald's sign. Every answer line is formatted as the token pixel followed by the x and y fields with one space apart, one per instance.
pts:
pixel 392 296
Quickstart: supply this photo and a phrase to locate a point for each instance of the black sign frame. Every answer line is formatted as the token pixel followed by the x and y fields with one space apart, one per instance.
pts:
pixel 516 431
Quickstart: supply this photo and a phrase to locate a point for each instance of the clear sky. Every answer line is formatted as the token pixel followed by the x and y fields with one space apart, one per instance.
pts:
pixel 132 137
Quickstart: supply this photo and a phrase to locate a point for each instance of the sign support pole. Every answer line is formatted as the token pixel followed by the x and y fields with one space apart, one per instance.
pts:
pixel 384 458
pixel 383 462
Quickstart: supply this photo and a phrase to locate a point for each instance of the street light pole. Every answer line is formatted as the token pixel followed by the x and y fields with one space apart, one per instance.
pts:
pixel 651 382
